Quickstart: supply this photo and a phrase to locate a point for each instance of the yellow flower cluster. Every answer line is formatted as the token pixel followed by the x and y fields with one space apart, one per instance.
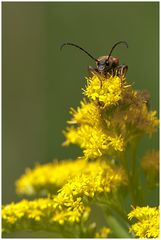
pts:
pixel 48 178
pixel 70 210
pixel 107 91
pixel 103 233
pixel 87 113
pixel 94 140
pixel 27 213
pixel 115 115
pixel 31 215
pixel 100 178
pixel 147 225
pixel 71 204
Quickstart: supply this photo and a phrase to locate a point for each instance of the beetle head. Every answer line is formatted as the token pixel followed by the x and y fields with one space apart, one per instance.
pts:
pixel 105 63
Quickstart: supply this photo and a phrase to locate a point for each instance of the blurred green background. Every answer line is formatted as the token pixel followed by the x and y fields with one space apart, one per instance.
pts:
pixel 40 83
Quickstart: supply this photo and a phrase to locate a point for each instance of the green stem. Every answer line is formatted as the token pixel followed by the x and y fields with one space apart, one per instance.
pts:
pixel 120 212
pixel 129 175
pixel 135 176
pixel 117 228
pixel 116 217
pixel 134 146
pixel 115 206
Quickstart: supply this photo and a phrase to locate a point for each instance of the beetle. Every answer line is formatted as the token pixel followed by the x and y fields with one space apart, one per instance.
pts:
pixel 106 65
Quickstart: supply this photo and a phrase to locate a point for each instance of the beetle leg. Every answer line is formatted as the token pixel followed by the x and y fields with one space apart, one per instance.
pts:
pixel 110 72
pixel 92 70
pixel 121 70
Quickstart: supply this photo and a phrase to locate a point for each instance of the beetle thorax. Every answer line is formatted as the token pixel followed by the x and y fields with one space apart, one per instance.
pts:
pixel 111 60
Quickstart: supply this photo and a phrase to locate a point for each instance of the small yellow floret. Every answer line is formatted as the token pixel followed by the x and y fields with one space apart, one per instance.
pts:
pixel 87 113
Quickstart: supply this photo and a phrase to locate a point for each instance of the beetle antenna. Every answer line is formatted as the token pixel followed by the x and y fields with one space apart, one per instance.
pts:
pixel 124 42
pixel 72 44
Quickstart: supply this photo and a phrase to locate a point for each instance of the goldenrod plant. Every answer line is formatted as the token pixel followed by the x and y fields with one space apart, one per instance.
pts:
pixel 103 193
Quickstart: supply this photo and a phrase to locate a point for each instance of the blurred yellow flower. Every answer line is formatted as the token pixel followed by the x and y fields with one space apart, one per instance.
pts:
pixel 103 233
pixel 48 178
pixel 150 165
pixel 150 161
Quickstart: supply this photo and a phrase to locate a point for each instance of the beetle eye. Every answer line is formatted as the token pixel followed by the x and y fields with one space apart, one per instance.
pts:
pixel 107 64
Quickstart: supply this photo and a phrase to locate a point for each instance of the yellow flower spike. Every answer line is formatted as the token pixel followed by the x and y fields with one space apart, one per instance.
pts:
pixel 115 115
pixel 93 140
pixel 147 225
pixel 107 91
pixel 101 178
pixel 97 177
pixel 49 177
